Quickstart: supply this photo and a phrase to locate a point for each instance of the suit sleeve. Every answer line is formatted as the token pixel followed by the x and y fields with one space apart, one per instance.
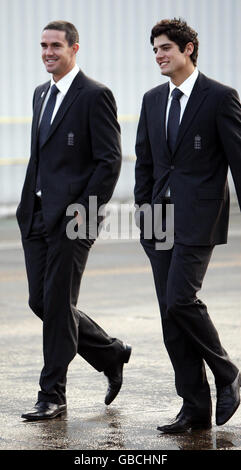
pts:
pixel 144 162
pixel 106 148
pixel 229 127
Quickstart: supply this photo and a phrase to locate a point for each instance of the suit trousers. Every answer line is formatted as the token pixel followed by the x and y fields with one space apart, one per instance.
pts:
pixel 55 265
pixel 189 334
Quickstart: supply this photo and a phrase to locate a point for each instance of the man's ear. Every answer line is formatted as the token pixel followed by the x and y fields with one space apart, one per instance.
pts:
pixel 189 49
pixel 75 47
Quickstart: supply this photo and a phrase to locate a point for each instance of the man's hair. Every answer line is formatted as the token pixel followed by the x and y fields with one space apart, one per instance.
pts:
pixel 71 33
pixel 179 32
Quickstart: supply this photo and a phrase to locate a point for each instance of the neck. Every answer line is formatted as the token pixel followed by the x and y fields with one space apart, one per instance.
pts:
pixel 57 77
pixel 181 76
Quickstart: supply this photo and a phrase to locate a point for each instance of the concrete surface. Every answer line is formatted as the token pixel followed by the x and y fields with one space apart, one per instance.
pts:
pixel 118 292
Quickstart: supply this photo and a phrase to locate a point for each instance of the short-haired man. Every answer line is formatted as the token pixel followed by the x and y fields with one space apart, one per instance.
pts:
pixel 189 132
pixel 75 154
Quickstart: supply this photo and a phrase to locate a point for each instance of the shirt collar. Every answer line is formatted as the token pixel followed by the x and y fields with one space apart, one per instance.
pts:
pixel 187 86
pixel 64 83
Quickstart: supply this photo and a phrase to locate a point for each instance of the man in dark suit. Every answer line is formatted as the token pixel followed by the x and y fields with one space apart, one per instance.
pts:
pixel 75 155
pixel 189 132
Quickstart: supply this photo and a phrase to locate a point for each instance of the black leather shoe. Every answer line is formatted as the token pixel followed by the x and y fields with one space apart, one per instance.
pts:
pixel 228 400
pixel 183 423
pixel 44 410
pixel 115 375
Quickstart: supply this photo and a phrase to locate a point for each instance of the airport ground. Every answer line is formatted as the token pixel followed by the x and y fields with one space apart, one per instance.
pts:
pixel 118 292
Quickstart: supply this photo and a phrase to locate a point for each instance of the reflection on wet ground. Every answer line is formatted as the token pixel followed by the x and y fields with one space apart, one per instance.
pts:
pixel 85 434
pixel 109 431
pixel 114 437
pixel 204 440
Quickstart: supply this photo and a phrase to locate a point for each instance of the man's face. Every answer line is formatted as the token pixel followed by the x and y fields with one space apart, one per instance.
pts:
pixel 58 57
pixel 170 59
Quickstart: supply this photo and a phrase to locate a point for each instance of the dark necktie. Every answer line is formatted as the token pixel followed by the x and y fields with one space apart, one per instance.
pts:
pixel 174 118
pixel 45 125
pixel 47 115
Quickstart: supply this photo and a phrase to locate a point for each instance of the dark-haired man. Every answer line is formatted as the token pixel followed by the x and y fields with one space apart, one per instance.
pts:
pixel 75 154
pixel 189 132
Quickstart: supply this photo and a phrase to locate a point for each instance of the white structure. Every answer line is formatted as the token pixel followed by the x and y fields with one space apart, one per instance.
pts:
pixel 114 49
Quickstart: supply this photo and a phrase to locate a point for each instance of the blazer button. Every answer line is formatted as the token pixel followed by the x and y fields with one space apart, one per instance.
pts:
pixel 172 167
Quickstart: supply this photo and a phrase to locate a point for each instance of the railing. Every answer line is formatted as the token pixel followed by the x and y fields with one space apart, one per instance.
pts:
pixel 122 118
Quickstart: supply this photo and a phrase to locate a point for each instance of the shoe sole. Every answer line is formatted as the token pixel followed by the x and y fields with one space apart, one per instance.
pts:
pixel 126 357
pixel 127 353
pixel 41 418
pixel 193 427
pixel 226 420
pixel 172 432
pixel 235 409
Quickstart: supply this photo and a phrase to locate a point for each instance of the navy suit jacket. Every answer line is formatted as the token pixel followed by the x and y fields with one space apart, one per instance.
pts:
pixel 81 156
pixel 209 140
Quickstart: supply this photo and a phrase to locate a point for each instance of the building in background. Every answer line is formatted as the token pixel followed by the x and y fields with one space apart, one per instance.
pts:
pixel 114 49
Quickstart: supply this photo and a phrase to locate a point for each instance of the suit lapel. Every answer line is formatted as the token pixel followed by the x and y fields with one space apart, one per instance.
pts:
pixel 159 116
pixel 66 103
pixel 196 99
pixel 37 110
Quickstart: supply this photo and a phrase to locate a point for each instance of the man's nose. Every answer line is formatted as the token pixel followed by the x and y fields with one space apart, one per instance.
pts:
pixel 159 54
pixel 49 50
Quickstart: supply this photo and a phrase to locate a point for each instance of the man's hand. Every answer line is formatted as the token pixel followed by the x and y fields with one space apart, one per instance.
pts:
pixel 78 217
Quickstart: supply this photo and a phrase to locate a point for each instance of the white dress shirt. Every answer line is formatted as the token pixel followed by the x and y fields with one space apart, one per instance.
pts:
pixel 63 85
pixel 186 87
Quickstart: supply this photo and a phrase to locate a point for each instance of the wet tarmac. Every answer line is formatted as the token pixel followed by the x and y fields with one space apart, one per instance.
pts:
pixel 118 292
